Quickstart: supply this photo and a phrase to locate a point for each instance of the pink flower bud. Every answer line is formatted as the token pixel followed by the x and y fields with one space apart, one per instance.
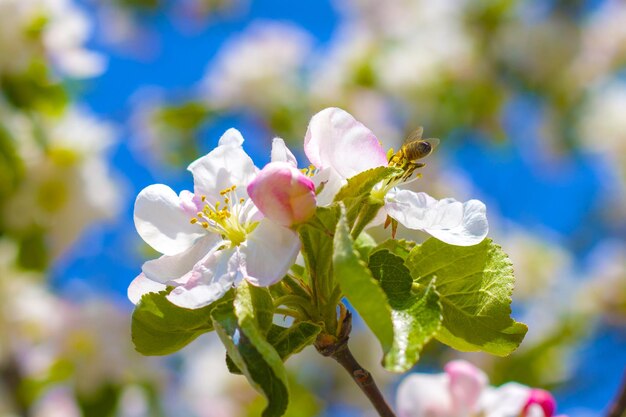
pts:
pixel 543 399
pixel 466 385
pixel 283 194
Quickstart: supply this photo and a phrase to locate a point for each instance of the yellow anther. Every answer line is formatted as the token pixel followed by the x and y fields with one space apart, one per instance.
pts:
pixel 227 200
pixel 203 198
pixel 193 221
pixel 200 214
pixel 217 205
pixel 242 200
pixel 205 225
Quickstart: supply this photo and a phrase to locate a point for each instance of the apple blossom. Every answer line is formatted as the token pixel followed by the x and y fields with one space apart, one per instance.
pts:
pixel 258 68
pixel 63 30
pixel 280 191
pixel 213 238
pixel 68 184
pixel 463 391
pixel 340 147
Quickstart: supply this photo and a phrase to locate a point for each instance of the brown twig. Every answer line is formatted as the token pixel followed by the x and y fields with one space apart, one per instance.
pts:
pixel 11 376
pixel 336 347
pixel 618 407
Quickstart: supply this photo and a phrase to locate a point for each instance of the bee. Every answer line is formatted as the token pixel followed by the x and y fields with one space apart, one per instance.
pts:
pixel 412 150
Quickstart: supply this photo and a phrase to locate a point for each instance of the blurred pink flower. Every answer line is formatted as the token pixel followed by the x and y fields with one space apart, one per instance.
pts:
pixel 463 391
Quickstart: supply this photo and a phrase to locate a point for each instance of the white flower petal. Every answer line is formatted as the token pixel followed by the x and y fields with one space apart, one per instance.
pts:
pixel 505 401
pixel 226 165
pixel 448 220
pixel 210 279
pixel 171 268
pixel 332 183
pixel 232 137
pixel 270 251
pixel 337 140
pixel 535 410
pixel 472 230
pixel 142 285
pixel 421 395
pixel 281 153
pixel 162 222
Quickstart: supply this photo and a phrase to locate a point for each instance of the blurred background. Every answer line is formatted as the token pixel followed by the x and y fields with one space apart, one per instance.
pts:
pixel 100 98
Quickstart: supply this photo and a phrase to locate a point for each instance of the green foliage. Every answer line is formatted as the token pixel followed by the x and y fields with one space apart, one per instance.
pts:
pixel 361 206
pixel 290 340
pixel 416 313
pixel 11 167
pixel 360 288
pixel 475 285
pixel 148 5
pixel 254 304
pixel 398 247
pixel 161 328
pixel 100 403
pixel 241 331
pixel 317 248
pixel 33 253
pixel 187 116
pixel 364 244
pixel 302 403
pixel 34 89
pixel 540 363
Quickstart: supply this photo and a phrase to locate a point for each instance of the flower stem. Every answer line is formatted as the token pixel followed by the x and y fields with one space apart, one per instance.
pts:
pixel 337 348
pixel 618 408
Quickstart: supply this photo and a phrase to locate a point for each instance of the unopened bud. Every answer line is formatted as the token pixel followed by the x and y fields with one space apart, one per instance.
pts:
pixel 283 194
pixel 543 399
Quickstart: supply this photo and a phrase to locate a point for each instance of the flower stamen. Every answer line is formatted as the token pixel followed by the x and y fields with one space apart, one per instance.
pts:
pixel 226 217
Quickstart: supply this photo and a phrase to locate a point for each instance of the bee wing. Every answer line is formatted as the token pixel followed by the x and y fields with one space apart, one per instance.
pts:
pixel 415 135
pixel 434 142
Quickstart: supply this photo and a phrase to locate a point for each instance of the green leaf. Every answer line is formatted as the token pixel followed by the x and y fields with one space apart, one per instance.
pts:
pixel 11 166
pixel 398 247
pixel 361 184
pixel 416 312
pixel 161 328
pixel 364 244
pixel 286 340
pixel 475 285
pixel 248 349
pixel 290 340
pixel 36 89
pixel 359 287
pixel 361 206
pixel 317 248
pixel 254 304
pixel 302 402
pixel 99 403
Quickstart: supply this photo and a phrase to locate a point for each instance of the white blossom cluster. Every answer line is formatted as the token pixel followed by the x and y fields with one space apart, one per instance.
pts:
pixel 40 31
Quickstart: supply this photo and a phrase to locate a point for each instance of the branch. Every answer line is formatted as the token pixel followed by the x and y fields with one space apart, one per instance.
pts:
pixel 337 348
pixel 618 407
pixel 11 376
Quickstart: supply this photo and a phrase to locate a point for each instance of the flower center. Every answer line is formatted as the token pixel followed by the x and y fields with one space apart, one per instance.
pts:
pixel 231 218
pixel 310 171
